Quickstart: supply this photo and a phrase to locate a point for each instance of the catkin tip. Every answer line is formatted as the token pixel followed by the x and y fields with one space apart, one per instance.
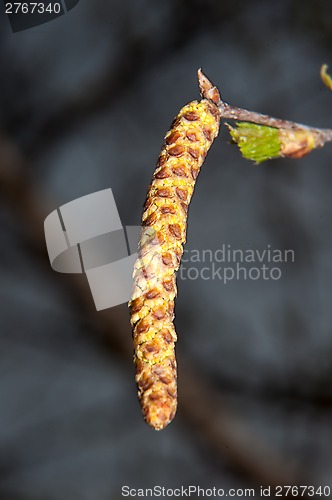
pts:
pixel 159 417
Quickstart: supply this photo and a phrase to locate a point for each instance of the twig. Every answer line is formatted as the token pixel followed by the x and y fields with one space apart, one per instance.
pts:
pixel 230 112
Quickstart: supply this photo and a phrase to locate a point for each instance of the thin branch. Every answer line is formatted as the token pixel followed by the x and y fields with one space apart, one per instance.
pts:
pixel 227 111
pixel 231 112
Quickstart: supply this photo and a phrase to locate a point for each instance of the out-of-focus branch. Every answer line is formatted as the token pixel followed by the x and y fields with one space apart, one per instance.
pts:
pixel 136 57
pixel 199 405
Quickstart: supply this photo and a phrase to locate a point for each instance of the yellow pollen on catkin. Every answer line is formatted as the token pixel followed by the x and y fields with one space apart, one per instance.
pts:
pixel 164 224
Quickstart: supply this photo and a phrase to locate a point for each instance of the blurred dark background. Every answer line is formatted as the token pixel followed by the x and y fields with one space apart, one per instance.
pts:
pixel 85 101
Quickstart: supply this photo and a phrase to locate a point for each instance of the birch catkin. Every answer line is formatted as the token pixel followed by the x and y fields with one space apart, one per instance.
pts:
pixel 160 249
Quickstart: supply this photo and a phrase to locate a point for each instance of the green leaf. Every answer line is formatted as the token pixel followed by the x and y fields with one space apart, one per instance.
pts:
pixel 256 142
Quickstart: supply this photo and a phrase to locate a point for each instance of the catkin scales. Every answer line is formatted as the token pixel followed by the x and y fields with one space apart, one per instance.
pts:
pixel 163 235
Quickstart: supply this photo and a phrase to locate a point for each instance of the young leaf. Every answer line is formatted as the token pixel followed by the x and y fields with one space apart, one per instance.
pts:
pixel 256 142
pixel 327 79
pixel 260 142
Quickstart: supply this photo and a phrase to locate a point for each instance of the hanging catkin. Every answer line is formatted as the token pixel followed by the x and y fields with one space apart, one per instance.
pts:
pixel 160 249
